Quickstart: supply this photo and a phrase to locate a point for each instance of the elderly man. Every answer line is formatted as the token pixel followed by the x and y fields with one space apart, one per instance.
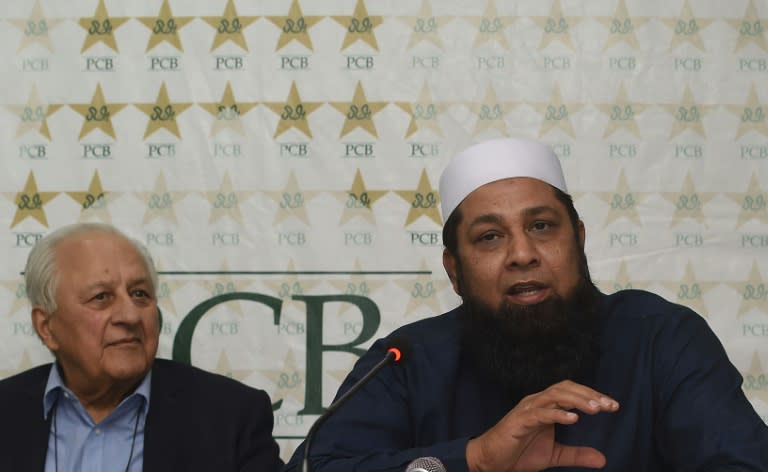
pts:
pixel 106 404
pixel 538 369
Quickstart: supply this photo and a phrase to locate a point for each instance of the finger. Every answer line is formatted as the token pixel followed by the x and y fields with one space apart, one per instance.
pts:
pixel 573 456
pixel 570 395
pixel 532 420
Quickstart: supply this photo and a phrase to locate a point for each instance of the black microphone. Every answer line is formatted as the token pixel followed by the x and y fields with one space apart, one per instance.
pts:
pixel 398 349
pixel 426 464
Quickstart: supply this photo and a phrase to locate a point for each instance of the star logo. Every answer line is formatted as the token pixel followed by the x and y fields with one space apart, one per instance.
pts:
pixel 18 295
pixel 621 281
pixel 423 291
pixel 756 379
pixel 101 28
pixel 752 115
pixel 690 291
pixel 622 202
pixel 226 201
pixel 225 284
pixel 754 203
pixel 291 201
pixel 164 294
pixel 424 201
pixel 687 28
pixel 224 367
pixel 424 113
pixel 98 114
pixel 359 113
pixel 688 115
pixel 425 27
pixel 289 380
pixel 94 204
pixel 36 29
pixel 356 284
pixel 753 292
pixel 229 27
pixel 228 112
pixel 294 27
pixel 358 201
pixel 622 27
pixel 751 29
pixel 557 114
pixel 359 26
pixel 490 113
pixel 491 27
pixel 162 114
pixel 160 202
pixel 556 27
pixel 293 113
pixel 622 114
pixel 30 203
pixel 33 116
pixel 165 27
pixel 289 285
pixel 688 202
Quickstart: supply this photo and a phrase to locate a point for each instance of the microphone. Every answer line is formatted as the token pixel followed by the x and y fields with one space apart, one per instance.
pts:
pixel 398 349
pixel 426 464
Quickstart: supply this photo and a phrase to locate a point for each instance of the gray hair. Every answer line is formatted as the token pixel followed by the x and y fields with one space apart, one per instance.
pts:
pixel 40 273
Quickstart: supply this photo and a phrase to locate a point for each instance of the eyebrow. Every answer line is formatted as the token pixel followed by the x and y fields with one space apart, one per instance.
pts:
pixel 528 212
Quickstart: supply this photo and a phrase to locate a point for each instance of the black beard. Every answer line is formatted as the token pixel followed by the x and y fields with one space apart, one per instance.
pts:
pixel 526 348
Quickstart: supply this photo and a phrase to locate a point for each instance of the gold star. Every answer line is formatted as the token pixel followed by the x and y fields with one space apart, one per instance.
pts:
pixel 621 281
pixel 424 201
pixel 424 113
pixel 359 26
pixel 226 201
pixel 289 380
pixel 25 363
pixel 160 202
pixel 752 115
pixel 165 27
pixel 293 113
pixel 557 114
pixel 289 284
pixel 490 113
pixel 756 380
pixel 29 202
pixel 425 26
pixel 751 29
pixel 295 26
pixel 94 203
pixel 424 290
pixel 622 27
pixel 358 201
pixel 688 115
pixel 223 367
pixel 623 202
pixel 292 201
pixel 356 284
pixel 101 28
pixel 36 28
pixel 753 203
pixel 622 113
pixel 490 26
pixel 688 202
pixel 19 296
pixel 359 112
pixel 224 284
pixel 752 292
pixel 690 291
pixel 164 294
pixel 687 28
pixel 34 115
pixel 162 114
pixel 229 26
pixel 556 27
pixel 98 114
pixel 228 112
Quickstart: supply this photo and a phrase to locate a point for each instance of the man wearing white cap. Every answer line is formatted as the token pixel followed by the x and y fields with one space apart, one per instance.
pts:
pixel 538 369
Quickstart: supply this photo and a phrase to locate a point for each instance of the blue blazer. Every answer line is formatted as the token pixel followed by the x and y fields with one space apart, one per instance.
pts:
pixel 197 421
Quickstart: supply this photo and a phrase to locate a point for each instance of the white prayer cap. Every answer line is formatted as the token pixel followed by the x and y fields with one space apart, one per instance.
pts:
pixel 494 160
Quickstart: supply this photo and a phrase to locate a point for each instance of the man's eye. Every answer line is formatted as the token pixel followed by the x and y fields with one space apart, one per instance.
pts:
pixel 489 236
pixel 541 225
pixel 101 296
pixel 140 293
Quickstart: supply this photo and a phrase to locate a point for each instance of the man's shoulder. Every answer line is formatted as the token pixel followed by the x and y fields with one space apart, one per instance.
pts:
pixel 30 381
pixel 168 372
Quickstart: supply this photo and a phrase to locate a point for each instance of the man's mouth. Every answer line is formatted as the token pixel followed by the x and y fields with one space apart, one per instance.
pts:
pixel 528 293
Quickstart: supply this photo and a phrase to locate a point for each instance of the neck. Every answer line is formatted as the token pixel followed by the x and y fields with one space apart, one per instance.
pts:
pixel 100 399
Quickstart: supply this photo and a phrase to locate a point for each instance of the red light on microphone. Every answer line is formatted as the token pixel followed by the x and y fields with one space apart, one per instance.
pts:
pixel 396 352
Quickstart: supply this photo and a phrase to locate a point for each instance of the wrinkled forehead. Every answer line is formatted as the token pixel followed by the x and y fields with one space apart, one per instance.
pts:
pixel 495 160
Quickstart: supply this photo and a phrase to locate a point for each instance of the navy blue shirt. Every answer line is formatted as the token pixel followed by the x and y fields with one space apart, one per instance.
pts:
pixel 682 405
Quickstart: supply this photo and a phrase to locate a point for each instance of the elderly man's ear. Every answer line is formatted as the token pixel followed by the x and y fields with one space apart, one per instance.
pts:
pixel 41 322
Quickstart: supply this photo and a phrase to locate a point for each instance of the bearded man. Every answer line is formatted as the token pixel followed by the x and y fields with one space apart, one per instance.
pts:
pixel 538 369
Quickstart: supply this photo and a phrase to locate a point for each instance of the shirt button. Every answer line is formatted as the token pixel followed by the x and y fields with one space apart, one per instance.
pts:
pixel 97 431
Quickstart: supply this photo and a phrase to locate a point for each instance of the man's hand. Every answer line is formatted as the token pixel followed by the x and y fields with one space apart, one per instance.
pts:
pixel 524 440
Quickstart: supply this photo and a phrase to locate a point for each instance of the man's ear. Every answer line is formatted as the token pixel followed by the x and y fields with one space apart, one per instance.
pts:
pixel 41 320
pixel 582 234
pixel 451 268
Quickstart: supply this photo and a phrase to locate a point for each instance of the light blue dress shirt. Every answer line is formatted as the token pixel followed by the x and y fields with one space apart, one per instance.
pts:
pixel 77 444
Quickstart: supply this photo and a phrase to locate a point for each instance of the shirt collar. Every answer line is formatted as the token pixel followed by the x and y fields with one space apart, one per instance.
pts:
pixel 55 387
